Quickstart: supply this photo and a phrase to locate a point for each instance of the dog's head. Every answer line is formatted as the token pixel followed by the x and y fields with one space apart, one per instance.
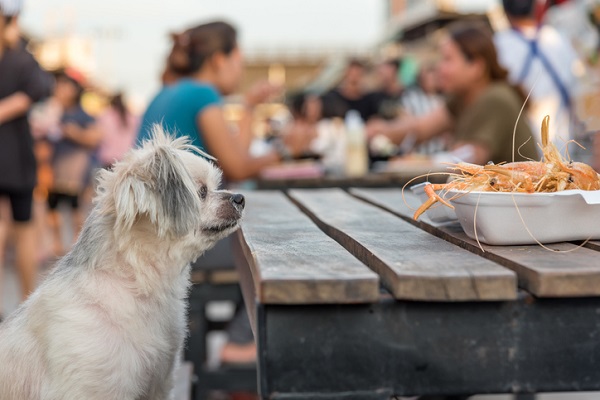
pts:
pixel 163 186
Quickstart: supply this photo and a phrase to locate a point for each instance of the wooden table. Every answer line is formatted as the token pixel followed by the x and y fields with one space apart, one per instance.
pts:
pixel 351 299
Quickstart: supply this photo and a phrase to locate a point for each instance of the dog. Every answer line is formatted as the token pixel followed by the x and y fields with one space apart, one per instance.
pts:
pixel 109 320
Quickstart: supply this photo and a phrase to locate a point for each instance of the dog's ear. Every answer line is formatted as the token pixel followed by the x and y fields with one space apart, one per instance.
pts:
pixel 161 188
pixel 176 192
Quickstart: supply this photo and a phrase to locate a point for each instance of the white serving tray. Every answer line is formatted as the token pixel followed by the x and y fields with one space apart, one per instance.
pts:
pixel 544 217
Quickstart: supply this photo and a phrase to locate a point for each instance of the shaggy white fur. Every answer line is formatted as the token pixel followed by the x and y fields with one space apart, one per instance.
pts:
pixel 109 321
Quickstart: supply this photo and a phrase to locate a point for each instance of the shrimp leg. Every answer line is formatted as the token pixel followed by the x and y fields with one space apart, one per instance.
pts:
pixel 433 198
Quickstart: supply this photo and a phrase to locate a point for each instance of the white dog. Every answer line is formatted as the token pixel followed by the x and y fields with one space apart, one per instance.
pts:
pixel 109 321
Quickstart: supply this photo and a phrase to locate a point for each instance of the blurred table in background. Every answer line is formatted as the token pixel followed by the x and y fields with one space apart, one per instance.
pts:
pixel 311 174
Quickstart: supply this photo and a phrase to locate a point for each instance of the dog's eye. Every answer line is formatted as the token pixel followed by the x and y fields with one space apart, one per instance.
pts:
pixel 203 192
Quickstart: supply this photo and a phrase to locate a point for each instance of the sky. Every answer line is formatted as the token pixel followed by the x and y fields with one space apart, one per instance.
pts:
pixel 131 36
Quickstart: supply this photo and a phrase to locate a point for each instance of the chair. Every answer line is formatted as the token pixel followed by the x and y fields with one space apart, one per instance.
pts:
pixel 213 279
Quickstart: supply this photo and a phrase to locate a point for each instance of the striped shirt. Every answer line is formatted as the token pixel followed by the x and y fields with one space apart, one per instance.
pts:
pixel 418 103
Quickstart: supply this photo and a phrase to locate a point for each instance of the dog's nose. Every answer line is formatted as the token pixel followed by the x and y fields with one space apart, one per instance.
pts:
pixel 238 200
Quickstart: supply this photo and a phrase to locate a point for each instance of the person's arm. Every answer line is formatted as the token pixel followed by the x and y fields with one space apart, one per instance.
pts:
pixel 34 85
pixel 14 106
pixel 424 127
pixel 259 93
pixel 89 136
pixel 231 154
pixel 471 152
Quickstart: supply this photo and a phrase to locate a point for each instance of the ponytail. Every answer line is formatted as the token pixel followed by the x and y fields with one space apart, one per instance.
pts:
pixel 193 47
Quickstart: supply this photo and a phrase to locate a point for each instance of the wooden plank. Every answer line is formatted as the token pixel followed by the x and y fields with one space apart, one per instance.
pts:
pixel 412 263
pixel 542 272
pixel 293 262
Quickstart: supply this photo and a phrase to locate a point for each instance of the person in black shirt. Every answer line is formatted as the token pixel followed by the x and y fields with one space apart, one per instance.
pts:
pixel 349 95
pixel 387 101
pixel 22 82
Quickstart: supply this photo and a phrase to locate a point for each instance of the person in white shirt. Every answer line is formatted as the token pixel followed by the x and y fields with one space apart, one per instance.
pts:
pixel 542 61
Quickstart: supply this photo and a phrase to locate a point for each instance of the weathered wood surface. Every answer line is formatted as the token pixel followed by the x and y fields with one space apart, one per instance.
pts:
pixel 542 272
pixel 293 262
pixel 412 264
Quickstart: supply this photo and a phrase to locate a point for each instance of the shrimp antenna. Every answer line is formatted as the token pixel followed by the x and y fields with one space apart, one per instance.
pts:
pixel 514 138
pixel 523 156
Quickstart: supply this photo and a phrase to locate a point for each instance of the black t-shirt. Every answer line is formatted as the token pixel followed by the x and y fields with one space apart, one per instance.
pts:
pixel 385 105
pixel 19 72
pixel 336 104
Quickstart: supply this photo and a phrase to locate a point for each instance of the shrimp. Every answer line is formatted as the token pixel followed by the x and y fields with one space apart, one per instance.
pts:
pixel 554 173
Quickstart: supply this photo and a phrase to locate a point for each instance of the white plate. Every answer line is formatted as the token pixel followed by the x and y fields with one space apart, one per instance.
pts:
pixel 545 217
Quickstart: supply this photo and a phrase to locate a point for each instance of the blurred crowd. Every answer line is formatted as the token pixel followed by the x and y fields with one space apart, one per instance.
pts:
pixel 465 105
pixel 49 148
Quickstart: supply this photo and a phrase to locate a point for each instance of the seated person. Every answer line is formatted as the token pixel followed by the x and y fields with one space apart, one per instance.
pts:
pixel 306 110
pixel 349 94
pixel 204 65
pixel 387 101
pixel 482 108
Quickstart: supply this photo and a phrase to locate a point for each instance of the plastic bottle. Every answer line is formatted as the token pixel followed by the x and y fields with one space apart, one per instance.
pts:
pixel 332 134
pixel 357 157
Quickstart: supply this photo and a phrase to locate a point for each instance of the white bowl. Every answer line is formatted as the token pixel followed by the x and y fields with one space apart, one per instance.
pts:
pixel 528 218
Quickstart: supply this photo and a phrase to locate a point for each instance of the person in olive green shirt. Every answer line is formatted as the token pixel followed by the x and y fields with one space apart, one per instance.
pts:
pixel 482 108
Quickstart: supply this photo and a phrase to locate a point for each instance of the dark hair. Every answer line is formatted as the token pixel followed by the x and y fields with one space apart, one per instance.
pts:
pixel 475 41
pixel 117 103
pixel 518 8
pixel 356 62
pixel 7 18
pixel 62 75
pixel 194 46
pixel 394 63
pixel 295 102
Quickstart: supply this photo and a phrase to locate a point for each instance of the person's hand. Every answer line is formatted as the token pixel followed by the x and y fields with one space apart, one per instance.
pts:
pixel 261 92
pixel 71 131
pixel 376 127
pixel 297 137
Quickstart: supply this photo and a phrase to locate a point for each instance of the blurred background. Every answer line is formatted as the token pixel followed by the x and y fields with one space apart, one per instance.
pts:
pixel 108 59
pixel 121 46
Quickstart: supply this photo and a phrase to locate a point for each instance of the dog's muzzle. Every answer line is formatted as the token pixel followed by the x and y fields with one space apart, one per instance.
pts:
pixel 229 212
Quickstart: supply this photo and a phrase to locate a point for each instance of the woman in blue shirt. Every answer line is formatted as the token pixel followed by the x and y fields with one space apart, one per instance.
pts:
pixel 205 64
